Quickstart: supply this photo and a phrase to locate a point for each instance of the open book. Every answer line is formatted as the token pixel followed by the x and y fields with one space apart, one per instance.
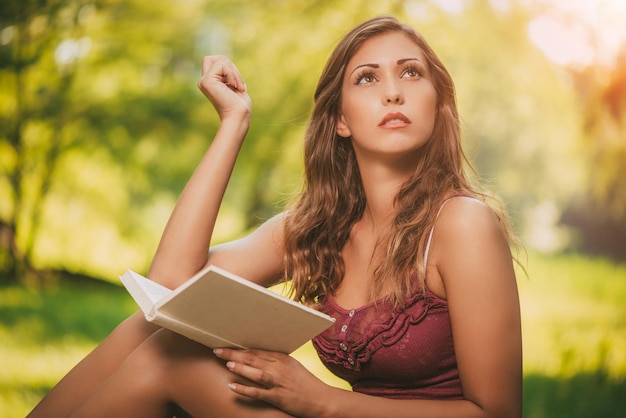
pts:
pixel 219 309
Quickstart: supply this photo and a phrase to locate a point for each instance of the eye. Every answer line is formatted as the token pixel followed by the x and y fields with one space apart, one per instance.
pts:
pixel 365 77
pixel 413 72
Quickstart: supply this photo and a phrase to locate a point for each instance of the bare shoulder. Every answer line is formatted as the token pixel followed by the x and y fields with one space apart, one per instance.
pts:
pixel 468 237
pixel 464 212
pixel 258 256
pixel 466 219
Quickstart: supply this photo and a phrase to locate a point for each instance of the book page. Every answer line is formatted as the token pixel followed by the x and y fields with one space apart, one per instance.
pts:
pixel 154 291
pixel 145 291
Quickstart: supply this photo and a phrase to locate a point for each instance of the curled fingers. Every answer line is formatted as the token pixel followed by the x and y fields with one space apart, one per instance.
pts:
pixel 220 68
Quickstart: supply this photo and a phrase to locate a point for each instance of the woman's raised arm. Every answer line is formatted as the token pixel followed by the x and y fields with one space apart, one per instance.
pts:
pixel 183 249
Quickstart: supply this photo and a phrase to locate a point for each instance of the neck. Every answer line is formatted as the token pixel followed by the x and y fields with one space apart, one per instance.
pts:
pixel 381 186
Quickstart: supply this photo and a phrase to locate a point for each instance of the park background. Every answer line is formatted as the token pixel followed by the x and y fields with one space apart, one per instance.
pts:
pixel 101 124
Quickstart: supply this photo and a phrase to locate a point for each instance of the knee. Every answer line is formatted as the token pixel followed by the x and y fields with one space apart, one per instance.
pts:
pixel 166 362
pixel 152 363
pixel 135 328
pixel 175 349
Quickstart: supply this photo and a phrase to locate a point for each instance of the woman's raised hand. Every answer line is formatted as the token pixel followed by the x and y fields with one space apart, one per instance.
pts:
pixel 223 85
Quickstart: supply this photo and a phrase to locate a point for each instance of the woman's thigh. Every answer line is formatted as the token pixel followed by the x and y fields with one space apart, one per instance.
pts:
pixel 198 381
pixel 168 369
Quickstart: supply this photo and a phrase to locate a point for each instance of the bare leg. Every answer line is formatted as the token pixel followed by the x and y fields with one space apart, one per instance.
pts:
pixel 95 368
pixel 168 369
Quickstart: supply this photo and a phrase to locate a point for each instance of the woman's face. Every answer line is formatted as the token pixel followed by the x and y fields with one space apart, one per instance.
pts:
pixel 389 102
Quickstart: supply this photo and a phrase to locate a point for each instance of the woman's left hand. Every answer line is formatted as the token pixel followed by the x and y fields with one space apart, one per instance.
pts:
pixel 282 381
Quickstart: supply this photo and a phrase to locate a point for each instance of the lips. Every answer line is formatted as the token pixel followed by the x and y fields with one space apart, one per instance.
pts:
pixel 394 120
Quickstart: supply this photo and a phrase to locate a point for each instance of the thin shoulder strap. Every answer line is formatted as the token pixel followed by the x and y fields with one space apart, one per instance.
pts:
pixel 432 229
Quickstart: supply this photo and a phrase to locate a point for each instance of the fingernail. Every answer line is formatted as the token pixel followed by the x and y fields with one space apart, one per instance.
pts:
pixel 218 351
pixel 230 364
pixel 232 386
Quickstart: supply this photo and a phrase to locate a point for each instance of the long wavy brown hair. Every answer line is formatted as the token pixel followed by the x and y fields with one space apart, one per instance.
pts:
pixel 318 224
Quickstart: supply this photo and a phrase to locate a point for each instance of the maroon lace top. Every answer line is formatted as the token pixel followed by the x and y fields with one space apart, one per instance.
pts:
pixel 404 353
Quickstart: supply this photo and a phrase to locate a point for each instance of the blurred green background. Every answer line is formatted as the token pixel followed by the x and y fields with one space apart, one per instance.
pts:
pixel 101 124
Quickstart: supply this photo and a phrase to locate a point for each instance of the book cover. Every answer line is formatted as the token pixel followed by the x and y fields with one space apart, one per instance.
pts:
pixel 219 309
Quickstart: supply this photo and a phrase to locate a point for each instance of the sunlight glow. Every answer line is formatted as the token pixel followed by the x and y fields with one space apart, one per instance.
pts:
pixel 579 33
pixel 563 43
pixel 71 50
pixel 450 6
pixel 6 35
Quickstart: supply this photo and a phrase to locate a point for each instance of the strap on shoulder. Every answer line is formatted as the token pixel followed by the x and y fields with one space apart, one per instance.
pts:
pixel 430 234
pixel 432 229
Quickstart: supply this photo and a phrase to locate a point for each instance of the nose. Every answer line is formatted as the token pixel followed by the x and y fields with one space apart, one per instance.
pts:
pixel 395 98
pixel 393 93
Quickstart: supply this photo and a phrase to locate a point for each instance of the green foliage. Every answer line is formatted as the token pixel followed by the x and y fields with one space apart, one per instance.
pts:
pixel 87 125
pixel 101 122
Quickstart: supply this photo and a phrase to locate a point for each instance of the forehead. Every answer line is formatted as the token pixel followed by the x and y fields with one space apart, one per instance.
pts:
pixel 386 47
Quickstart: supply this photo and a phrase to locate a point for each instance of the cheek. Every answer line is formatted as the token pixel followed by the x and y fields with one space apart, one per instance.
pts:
pixel 357 109
pixel 430 107
pixel 428 116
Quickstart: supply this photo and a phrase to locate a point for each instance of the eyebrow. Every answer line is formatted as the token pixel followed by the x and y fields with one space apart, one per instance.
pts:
pixel 399 62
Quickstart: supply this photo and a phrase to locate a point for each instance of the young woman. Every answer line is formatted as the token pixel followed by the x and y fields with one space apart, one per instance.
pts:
pixel 388 236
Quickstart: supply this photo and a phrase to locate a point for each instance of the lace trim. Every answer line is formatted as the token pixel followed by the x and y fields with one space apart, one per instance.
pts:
pixel 385 328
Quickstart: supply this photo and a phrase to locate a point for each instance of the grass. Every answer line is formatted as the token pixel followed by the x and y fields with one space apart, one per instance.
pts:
pixel 574 328
pixel 574 324
pixel 46 331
